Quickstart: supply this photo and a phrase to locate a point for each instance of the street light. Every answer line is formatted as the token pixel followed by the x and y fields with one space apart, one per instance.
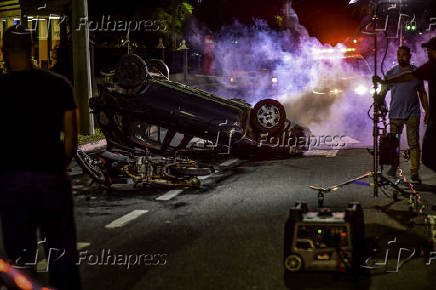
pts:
pixel 185 59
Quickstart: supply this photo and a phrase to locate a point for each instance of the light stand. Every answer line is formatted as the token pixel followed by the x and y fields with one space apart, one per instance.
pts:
pixel 379 116
pixel 376 111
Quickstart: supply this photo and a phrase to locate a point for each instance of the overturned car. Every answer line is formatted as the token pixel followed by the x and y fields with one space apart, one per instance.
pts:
pixel 142 108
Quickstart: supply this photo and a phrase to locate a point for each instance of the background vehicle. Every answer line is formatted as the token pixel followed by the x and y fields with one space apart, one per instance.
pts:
pixel 343 72
pixel 263 78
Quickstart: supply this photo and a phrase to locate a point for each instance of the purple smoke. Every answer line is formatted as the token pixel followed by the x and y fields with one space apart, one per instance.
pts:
pixel 305 70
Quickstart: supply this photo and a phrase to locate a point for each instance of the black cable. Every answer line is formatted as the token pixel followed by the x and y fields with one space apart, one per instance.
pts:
pixel 384 57
pixel 369 112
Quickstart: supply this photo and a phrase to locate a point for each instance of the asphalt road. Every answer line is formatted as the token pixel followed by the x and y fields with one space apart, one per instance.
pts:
pixel 229 235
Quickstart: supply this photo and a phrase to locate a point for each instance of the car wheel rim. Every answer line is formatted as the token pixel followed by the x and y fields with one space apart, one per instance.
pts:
pixel 293 263
pixel 268 116
pixel 92 165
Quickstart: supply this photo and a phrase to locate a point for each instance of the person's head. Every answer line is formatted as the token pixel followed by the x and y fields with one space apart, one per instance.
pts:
pixel 17 48
pixel 403 56
pixel 431 48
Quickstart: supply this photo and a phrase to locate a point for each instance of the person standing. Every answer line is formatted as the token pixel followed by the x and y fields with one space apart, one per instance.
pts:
pixel 405 110
pixel 35 190
pixel 425 72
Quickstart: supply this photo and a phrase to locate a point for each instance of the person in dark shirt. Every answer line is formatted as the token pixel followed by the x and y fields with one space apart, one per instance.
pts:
pixel 425 72
pixel 39 129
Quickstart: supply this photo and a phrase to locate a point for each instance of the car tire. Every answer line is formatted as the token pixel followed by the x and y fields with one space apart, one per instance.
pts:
pixel 293 263
pixel 90 167
pixel 268 116
pixel 131 71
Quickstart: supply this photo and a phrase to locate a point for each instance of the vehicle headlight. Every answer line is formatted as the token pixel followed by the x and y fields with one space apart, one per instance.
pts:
pixel 335 91
pixel 274 80
pixel 361 90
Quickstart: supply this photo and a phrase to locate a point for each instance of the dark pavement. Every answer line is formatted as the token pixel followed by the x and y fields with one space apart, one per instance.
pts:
pixel 229 234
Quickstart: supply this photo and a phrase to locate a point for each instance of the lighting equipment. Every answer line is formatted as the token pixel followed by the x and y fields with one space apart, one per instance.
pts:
pixel 385 147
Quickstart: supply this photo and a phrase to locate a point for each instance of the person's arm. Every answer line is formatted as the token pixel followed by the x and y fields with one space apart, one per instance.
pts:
pixel 400 78
pixel 424 102
pixel 421 73
pixel 70 129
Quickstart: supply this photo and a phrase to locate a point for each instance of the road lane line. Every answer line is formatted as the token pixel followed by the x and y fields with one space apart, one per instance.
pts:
pixel 82 245
pixel 126 218
pixel 229 162
pixel 41 266
pixel 169 195
pixel 325 153
pixel 349 140
pixel 204 177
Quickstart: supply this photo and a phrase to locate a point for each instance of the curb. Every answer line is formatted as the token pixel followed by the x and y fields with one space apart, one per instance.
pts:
pixel 92 147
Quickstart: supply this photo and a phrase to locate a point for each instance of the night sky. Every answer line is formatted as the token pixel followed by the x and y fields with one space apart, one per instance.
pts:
pixel 331 21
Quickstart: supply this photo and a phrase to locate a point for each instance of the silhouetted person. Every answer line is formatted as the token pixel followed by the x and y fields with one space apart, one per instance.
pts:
pixel 35 191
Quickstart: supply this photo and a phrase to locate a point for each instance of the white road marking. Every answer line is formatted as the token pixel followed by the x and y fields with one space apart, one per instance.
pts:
pixel 169 195
pixel 204 177
pixel 123 186
pixel 325 153
pixel 229 162
pixel 41 266
pixel 432 220
pixel 126 218
pixel 82 245
pixel 350 140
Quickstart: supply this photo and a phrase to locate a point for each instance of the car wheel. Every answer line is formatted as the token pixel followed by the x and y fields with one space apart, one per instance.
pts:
pixel 294 263
pixel 90 166
pixel 131 71
pixel 268 116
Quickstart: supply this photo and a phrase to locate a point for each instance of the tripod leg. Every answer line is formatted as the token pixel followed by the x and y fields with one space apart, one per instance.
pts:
pixel 320 199
pixel 395 195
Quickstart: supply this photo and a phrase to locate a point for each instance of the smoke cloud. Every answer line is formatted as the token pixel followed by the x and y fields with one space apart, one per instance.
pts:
pixel 319 88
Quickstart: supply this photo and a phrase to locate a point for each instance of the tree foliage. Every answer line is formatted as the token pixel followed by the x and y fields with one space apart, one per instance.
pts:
pixel 181 10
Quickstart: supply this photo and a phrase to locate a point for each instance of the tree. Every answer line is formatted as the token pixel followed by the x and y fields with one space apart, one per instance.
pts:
pixel 175 15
